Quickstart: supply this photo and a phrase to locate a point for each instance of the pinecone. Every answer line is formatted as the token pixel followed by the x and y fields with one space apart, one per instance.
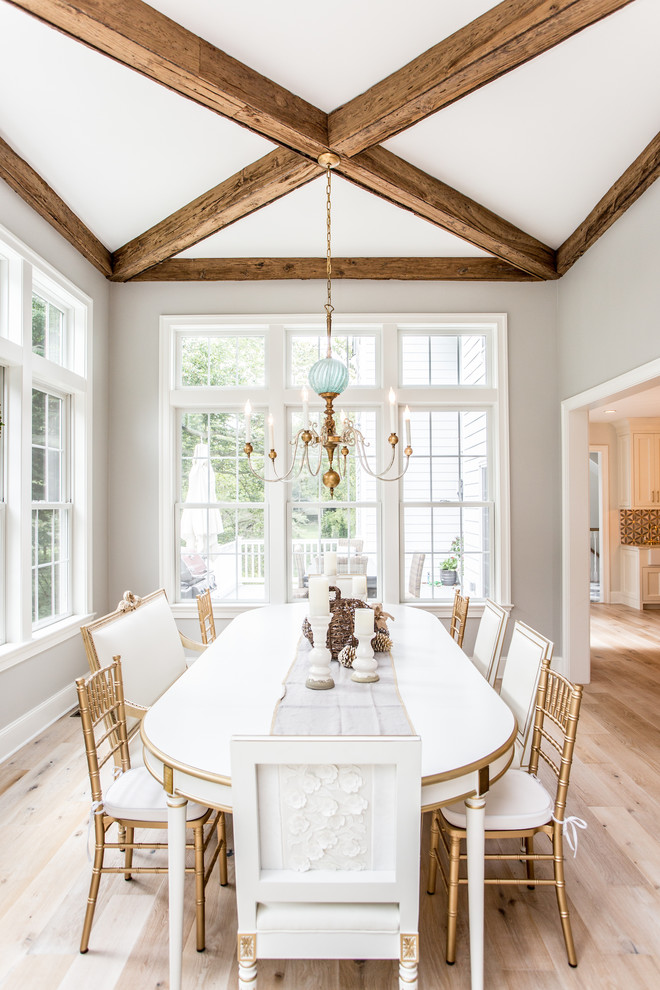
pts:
pixel 381 643
pixel 347 656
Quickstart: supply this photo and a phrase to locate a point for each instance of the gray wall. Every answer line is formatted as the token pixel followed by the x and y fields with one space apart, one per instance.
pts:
pixel 609 302
pixel 534 419
pixel 28 684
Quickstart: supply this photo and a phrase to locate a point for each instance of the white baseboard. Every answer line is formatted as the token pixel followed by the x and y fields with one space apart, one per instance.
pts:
pixel 34 722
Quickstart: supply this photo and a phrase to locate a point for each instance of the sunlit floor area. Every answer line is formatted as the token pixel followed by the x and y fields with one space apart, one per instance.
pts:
pixel 613 884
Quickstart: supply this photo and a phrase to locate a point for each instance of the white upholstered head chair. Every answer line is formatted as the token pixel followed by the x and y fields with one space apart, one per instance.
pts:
pixel 141 631
pixel 327 834
pixel 527 651
pixel 490 639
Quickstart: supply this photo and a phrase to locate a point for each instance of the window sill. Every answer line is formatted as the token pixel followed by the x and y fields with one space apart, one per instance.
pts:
pixel 42 640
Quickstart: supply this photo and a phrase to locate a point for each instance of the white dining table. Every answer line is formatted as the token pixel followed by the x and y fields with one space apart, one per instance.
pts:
pixel 467 732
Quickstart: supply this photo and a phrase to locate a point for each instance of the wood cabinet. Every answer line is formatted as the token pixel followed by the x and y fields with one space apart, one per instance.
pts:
pixel 638 456
pixel 640 576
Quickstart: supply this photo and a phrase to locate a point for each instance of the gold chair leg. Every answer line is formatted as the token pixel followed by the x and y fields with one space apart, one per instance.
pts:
pixel 562 900
pixel 433 865
pixel 452 897
pixel 222 844
pixel 128 852
pixel 529 850
pixel 91 899
pixel 198 832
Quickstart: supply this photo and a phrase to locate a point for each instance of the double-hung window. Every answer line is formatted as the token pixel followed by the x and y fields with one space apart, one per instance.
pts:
pixel 45 399
pixel 228 525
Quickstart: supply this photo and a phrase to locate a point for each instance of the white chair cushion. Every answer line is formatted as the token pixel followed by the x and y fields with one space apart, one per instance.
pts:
pixel 138 796
pixel 516 801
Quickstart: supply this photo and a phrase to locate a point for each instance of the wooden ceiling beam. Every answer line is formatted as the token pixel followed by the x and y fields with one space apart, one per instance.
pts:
pixel 626 190
pixel 500 40
pixel 136 35
pixel 38 194
pixel 395 180
pixel 274 175
pixel 405 269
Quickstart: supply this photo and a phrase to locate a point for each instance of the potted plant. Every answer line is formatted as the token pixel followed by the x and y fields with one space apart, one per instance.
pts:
pixel 449 566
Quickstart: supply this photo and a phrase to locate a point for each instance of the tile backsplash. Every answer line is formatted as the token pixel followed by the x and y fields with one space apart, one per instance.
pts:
pixel 639 526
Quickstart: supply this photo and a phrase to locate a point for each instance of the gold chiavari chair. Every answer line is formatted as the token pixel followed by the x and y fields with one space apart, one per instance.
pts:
pixel 519 806
pixel 206 618
pixel 133 798
pixel 459 617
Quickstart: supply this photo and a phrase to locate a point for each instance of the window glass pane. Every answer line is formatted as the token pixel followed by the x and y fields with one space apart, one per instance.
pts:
pixel 47 447
pixel 222 534
pixel 356 351
pixel 440 359
pixel 47 329
pixel 50 562
pixel 221 360
pixel 348 524
pixel 447 544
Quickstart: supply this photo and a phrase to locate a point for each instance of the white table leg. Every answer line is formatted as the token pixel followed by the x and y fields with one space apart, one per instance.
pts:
pixel 475 816
pixel 176 859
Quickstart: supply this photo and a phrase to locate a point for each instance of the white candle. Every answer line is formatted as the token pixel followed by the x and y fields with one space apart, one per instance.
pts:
pixel 392 398
pixel 345 585
pixel 359 586
pixel 330 562
pixel 271 432
pixel 248 421
pixel 364 622
pixel 305 404
pixel 319 595
pixel 406 423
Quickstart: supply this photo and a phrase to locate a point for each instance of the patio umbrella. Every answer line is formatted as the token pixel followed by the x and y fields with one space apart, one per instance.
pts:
pixel 200 528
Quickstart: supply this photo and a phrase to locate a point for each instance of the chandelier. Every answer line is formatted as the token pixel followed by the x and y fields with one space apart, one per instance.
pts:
pixel 328 378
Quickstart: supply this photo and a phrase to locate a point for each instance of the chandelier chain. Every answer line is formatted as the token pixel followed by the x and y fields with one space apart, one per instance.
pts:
pixel 328 306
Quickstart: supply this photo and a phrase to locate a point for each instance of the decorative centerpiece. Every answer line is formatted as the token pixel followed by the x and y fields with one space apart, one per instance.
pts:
pixel 341 627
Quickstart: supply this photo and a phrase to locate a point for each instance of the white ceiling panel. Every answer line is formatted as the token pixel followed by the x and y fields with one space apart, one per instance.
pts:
pixel 362 226
pixel 544 143
pixel 120 150
pixel 326 53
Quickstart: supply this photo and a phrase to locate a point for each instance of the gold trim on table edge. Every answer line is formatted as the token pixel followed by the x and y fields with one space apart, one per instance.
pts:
pixel 212 778
pixel 471 793
pixel 437 778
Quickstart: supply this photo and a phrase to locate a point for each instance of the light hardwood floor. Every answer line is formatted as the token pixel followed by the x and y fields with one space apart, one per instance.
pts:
pixel 613 884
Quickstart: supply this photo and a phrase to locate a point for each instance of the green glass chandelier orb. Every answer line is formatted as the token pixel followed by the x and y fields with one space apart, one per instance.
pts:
pixel 328 375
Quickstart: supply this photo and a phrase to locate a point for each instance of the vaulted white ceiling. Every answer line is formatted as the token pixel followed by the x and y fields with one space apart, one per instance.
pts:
pixel 539 146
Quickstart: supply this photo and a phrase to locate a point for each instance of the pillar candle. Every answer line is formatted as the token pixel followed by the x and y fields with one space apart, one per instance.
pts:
pixel 345 585
pixel 364 622
pixel 329 562
pixel 360 586
pixel 319 595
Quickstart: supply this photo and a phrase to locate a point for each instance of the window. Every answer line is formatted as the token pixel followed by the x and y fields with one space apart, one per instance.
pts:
pixel 45 394
pixel 253 540
pixel 50 508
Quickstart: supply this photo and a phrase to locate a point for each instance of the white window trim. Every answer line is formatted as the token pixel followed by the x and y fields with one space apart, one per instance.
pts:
pixel 23 271
pixel 280 395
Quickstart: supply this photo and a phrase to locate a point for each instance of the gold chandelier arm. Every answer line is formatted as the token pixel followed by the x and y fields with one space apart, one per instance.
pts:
pixel 289 477
pixel 384 475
